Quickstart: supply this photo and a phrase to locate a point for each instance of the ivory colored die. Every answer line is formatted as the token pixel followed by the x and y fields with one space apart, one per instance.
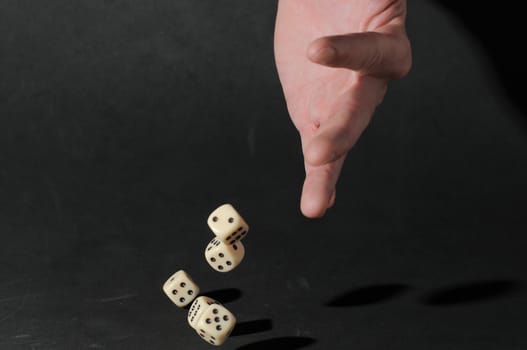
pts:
pixel 215 324
pixel 224 257
pixel 197 308
pixel 227 224
pixel 180 288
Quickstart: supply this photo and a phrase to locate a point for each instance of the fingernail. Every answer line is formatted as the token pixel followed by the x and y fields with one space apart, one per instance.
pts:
pixel 325 54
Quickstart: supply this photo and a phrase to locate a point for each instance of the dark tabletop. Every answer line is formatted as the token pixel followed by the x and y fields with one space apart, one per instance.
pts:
pixel 123 124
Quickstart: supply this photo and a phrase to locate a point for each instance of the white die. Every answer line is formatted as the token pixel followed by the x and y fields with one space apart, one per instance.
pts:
pixel 215 324
pixel 180 288
pixel 197 308
pixel 224 257
pixel 227 224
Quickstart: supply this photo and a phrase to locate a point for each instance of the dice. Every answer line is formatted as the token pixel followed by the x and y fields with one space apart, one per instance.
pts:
pixel 197 308
pixel 224 257
pixel 215 324
pixel 180 288
pixel 211 320
pixel 227 224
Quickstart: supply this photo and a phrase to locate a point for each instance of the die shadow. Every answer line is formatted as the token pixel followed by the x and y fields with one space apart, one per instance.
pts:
pixel 289 343
pixel 463 293
pixel 225 296
pixel 471 292
pixel 497 28
pixel 367 295
pixel 252 327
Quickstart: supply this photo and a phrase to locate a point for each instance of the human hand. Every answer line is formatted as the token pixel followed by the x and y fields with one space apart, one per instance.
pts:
pixel 335 59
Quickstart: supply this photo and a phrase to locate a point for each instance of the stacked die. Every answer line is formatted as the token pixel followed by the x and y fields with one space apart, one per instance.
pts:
pixel 226 250
pixel 211 320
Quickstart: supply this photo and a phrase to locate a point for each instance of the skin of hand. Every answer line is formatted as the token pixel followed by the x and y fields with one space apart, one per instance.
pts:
pixel 335 59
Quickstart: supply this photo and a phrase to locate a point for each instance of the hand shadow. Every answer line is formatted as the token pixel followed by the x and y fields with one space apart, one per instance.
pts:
pixel 470 292
pixel 367 295
pixel 289 343
pixel 490 25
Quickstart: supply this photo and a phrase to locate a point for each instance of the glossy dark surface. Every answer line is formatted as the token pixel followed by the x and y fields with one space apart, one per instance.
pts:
pixel 123 124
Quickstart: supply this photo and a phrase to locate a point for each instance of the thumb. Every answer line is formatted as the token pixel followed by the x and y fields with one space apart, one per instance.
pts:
pixel 384 55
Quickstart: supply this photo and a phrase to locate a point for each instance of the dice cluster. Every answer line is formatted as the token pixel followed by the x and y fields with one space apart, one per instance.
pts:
pixel 226 250
pixel 211 320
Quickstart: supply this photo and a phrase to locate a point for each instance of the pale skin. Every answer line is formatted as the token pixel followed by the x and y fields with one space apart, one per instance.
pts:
pixel 335 59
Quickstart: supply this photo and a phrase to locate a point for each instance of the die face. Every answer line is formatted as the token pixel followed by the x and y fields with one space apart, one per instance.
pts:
pixel 215 242
pixel 180 288
pixel 197 308
pixel 224 257
pixel 227 224
pixel 216 324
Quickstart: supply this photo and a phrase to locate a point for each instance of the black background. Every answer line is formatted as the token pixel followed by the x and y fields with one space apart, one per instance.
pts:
pixel 123 124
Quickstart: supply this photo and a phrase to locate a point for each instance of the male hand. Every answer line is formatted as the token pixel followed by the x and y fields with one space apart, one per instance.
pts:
pixel 335 59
